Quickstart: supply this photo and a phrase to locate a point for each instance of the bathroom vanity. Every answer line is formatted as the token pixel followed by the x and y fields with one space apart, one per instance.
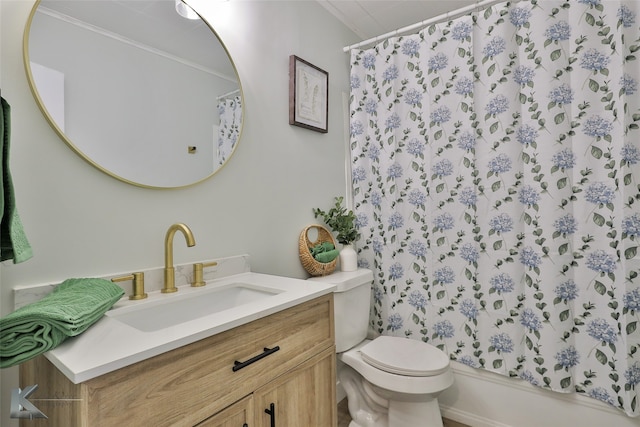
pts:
pixel 276 370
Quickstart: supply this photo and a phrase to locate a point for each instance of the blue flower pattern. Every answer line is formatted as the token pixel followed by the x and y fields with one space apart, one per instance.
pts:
pixel 496 188
pixel 230 112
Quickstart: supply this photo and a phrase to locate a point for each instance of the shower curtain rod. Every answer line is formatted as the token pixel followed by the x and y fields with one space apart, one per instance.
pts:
pixel 445 16
pixel 233 92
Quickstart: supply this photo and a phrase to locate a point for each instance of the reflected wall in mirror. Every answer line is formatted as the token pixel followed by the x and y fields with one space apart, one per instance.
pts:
pixel 130 86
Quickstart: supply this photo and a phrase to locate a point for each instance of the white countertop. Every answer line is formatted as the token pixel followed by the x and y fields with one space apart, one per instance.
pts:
pixel 110 344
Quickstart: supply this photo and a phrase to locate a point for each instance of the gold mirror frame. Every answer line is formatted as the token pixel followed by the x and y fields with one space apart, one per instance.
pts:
pixel 94 163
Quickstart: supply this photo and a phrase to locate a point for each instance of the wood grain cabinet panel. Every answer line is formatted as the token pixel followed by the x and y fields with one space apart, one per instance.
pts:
pixel 237 415
pixel 303 397
pixel 188 385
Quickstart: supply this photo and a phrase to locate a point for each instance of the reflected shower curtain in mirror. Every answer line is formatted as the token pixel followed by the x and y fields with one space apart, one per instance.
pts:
pixel 496 173
pixel 230 112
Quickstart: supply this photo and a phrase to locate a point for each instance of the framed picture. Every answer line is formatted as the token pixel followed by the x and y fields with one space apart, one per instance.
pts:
pixel 308 95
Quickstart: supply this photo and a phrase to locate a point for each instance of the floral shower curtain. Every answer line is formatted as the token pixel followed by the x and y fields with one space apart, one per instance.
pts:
pixel 496 176
pixel 230 112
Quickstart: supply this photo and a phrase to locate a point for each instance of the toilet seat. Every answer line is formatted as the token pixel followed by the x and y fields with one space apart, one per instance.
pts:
pixel 407 357
pixel 403 384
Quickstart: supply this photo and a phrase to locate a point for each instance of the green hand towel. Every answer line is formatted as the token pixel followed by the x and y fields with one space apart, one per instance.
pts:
pixel 328 256
pixel 321 247
pixel 13 241
pixel 69 310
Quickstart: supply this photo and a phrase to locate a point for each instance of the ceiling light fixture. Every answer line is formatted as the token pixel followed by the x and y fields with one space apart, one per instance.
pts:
pixel 185 10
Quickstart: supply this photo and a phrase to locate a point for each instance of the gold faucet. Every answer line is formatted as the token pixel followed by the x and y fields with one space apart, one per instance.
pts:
pixel 169 270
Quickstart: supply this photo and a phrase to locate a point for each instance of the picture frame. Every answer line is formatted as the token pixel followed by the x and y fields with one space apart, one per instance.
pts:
pixel 308 95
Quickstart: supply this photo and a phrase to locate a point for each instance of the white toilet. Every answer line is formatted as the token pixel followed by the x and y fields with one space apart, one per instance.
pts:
pixel 389 381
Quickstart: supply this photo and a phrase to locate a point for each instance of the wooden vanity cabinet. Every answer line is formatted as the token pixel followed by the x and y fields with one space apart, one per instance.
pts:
pixel 289 361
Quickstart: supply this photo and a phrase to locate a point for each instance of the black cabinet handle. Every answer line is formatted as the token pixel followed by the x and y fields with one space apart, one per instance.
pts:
pixel 267 351
pixel 272 414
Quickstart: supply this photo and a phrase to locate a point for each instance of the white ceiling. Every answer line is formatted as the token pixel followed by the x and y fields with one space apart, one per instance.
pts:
pixel 371 18
pixel 144 20
pixel 151 23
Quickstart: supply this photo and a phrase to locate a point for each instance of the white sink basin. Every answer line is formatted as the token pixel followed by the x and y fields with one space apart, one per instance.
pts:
pixel 176 309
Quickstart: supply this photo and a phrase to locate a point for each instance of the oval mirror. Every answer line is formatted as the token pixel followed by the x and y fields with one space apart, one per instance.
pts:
pixel 142 93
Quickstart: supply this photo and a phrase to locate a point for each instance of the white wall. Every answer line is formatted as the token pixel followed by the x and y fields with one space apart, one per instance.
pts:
pixel 81 222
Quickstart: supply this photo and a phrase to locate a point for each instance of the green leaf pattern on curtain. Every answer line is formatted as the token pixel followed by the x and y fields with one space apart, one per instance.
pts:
pixel 496 173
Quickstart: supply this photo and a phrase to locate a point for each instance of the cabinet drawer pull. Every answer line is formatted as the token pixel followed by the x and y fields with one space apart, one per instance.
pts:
pixel 267 351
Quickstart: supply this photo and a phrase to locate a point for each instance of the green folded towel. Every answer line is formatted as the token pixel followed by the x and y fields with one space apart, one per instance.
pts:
pixel 321 247
pixel 328 256
pixel 69 310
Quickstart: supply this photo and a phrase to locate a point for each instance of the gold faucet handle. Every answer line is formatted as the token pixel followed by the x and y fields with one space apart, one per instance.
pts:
pixel 138 284
pixel 198 268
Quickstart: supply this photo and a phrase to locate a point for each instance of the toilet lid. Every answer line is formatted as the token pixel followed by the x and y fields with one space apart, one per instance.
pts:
pixel 404 356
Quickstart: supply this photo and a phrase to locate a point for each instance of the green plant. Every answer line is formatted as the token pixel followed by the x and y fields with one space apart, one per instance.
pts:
pixel 340 221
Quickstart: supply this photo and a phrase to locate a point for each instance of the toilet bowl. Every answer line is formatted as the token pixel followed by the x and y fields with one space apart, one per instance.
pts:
pixel 389 381
pixel 403 385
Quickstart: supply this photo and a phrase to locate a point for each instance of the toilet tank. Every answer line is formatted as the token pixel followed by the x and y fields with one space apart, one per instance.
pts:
pixel 352 301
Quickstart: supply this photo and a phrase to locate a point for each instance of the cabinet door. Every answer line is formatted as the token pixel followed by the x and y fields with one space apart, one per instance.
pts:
pixel 304 396
pixel 240 414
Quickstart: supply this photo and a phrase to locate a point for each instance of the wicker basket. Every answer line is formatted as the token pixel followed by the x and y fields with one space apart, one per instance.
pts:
pixel 312 265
